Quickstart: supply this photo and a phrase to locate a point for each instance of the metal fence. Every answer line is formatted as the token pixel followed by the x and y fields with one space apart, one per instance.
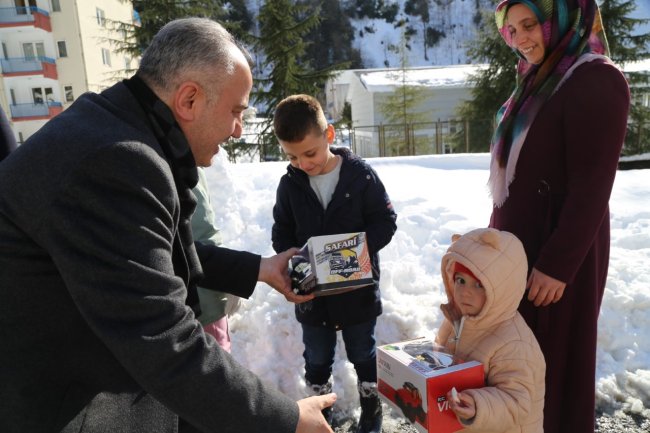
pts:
pixel 454 136
pixel 637 140
pixel 425 138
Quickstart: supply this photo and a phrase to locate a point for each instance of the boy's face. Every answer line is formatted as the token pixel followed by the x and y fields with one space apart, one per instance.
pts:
pixel 311 155
pixel 469 294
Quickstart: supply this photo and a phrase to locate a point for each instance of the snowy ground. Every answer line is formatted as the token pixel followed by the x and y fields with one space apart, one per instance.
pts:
pixel 435 196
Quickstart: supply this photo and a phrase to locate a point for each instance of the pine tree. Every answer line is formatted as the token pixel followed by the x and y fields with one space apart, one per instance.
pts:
pixel 153 14
pixel 626 46
pixel 492 86
pixel 330 41
pixel 285 69
pixel 495 84
pixel 400 109
pixel 420 8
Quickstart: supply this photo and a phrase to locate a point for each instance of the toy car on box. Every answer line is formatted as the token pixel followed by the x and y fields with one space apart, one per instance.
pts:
pixel 327 265
pixel 414 378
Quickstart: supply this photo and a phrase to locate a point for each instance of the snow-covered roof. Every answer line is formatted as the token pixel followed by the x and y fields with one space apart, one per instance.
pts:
pixel 385 80
pixel 637 66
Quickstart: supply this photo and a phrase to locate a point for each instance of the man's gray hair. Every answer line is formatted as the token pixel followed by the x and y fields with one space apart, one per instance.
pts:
pixel 189 48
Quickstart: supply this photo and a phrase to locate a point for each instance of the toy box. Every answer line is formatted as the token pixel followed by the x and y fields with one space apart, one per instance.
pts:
pixel 414 377
pixel 331 264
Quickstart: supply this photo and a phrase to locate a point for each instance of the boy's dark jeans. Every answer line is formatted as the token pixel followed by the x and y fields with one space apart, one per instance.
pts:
pixel 320 344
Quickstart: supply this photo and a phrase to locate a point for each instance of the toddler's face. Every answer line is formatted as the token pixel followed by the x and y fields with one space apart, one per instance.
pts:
pixel 469 294
pixel 311 155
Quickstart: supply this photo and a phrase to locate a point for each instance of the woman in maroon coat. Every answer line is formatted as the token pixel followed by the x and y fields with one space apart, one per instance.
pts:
pixel 554 158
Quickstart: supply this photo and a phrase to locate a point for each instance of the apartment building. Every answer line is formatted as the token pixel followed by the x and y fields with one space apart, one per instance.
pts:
pixel 55 50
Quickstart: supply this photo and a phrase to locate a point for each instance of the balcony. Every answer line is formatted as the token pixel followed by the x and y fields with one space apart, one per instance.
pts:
pixel 22 66
pixel 41 111
pixel 25 16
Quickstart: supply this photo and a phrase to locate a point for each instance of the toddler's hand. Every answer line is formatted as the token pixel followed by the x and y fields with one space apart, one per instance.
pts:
pixel 462 404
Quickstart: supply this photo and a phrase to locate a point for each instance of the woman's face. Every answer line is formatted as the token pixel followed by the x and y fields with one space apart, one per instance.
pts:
pixel 526 33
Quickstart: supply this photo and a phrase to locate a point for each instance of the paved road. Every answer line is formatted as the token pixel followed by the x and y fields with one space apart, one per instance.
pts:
pixel 605 423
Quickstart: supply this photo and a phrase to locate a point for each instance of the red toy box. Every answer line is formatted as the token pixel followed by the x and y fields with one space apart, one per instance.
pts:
pixel 414 377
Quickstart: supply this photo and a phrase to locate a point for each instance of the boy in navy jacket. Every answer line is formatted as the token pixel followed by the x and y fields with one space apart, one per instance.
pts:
pixel 328 191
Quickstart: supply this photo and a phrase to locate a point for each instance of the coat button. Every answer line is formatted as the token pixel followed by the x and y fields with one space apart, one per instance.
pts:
pixel 368 176
pixel 543 188
pixel 324 323
pixel 347 195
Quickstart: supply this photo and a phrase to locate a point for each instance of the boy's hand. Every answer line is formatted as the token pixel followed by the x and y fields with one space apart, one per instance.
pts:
pixel 274 272
pixel 311 419
pixel 463 406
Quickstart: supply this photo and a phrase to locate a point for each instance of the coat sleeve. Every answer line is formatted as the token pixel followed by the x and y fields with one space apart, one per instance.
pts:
pixel 379 215
pixel 594 130
pixel 283 231
pixel 506 400
pixel 227 270
pixel 110 235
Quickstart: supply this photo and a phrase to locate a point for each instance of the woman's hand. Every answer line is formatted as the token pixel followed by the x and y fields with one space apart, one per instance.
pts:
pixel 544 289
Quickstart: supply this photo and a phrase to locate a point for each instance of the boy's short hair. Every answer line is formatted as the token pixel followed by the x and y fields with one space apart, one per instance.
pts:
pixel 297 116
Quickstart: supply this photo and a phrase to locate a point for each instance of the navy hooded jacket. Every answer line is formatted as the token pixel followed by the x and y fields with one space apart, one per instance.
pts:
pixel 359 204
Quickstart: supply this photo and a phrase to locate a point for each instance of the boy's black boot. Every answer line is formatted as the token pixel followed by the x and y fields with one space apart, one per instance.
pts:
pixel 323 389
pixel 370 420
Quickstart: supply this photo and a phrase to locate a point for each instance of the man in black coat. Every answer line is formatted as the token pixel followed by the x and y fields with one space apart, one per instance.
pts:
pixel 97 258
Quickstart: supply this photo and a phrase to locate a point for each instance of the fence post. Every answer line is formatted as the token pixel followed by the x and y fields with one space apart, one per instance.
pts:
pixel 466 136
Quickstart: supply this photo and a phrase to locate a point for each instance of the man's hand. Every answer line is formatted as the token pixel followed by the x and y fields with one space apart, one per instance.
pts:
pixel 311 419
pixel 544 289
pixel 274 272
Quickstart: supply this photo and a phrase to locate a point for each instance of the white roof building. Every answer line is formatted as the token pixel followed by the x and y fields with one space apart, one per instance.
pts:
pixel 52 52
pixel 444 89
pixel 365 89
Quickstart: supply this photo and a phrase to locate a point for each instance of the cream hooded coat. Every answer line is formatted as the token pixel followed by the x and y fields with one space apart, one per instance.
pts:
pixel 513 397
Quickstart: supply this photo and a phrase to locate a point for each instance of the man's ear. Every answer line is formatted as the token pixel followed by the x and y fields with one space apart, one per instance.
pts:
pixel 185 100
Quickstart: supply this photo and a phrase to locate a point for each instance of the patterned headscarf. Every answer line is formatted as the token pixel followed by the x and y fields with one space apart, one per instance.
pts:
pixel 570 28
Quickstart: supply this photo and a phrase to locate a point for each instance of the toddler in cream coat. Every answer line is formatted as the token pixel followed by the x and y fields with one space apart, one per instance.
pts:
pixel 484 273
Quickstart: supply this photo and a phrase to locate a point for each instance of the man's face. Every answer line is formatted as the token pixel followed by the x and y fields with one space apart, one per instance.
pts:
pixel 221 117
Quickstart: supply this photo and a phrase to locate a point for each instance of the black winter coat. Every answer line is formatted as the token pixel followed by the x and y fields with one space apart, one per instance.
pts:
pixel 95 335
pixel 359 204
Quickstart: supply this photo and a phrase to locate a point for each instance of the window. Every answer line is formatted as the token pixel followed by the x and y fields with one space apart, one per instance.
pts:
pixel 69 96
pixel 101 18
pixel 56 6
pixel 127 63
pixel 41 95
pixel 63 49
pixel 31 50
pixel 106 57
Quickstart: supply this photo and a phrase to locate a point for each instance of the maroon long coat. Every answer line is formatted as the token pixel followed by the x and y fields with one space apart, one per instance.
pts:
pixel 558 207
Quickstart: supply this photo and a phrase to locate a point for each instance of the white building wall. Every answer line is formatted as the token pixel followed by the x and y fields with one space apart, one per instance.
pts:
pixel 83 68
pixel 95 37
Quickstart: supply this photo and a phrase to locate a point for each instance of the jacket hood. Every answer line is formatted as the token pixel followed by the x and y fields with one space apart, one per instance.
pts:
pixel 498 260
